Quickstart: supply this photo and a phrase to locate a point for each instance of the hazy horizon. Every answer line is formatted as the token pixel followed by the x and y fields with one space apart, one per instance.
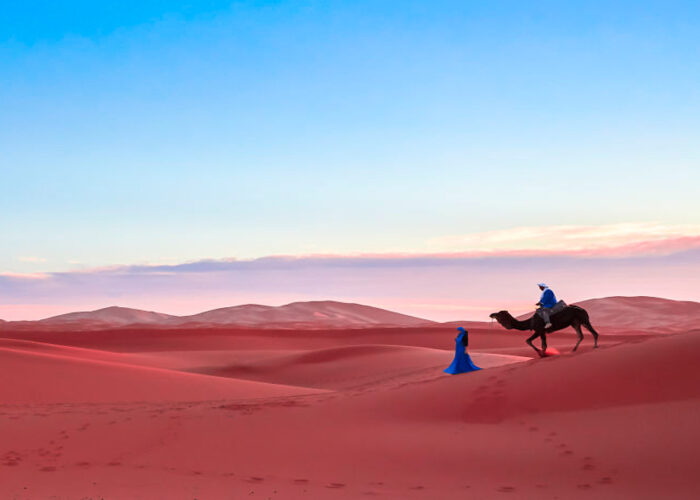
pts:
pixel 440 288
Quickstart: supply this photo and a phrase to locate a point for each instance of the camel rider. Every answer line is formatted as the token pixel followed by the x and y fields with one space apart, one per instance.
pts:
pixel 547 301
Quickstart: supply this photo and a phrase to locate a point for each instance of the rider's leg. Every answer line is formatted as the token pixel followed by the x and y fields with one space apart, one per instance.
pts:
pixel 544 312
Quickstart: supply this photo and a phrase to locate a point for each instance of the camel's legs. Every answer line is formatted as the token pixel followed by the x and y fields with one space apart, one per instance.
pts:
pixel 577 327
pixel 544 343
pixel 529 341
pixel 590 328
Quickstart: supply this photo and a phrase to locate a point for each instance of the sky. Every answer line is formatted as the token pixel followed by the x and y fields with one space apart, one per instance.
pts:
pixel 434 157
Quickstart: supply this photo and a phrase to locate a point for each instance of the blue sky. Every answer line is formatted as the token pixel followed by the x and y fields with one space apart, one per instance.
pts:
pixel 163 132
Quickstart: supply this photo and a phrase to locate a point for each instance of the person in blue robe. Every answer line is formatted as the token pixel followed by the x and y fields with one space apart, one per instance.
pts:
pixel 462 362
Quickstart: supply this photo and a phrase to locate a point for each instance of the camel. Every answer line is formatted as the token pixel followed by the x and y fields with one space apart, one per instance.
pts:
pixel 573 316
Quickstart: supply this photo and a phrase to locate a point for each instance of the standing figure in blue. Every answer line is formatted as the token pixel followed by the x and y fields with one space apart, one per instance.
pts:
pixel 462 362
pixel 547 301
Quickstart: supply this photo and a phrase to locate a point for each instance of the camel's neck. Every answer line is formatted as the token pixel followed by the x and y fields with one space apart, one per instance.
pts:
pixel 516 324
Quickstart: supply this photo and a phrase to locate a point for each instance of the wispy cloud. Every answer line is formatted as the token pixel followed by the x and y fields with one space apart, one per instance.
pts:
pixel 605 240
pixel 31 259
pixel 25 276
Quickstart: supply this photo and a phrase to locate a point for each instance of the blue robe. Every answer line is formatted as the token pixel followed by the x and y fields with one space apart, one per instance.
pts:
pixel 462 362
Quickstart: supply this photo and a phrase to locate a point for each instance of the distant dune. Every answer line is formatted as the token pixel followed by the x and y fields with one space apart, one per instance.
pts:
pixel 612 314
pixel 297 315
pixel 315 314
pixel 114 315
pixel 648 313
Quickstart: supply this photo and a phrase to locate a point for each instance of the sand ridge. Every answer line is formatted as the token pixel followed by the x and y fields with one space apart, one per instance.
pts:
pixel 347 415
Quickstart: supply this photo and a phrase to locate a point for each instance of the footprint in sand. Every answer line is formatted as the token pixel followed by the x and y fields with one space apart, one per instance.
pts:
pixel 585 486
pixel 301 481
pixel 255 479
pixel 11 458
pixel 48 468
pixel 605 480
pixel 419 487
pixel 506 489
pixel 335 485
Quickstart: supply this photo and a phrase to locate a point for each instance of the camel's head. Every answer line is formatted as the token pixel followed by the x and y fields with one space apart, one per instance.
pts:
pixel 503 317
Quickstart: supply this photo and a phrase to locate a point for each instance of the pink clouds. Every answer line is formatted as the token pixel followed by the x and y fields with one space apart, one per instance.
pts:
pixel 25 276
pixel 606 240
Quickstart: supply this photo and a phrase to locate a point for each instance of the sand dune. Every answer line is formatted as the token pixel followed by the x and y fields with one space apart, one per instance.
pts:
pixel 41 376
pixel 114 316
pixel 348 366
pixel 611 315
pixel 644 313
pixel 228 413
pixel 330 368
pixel 313 314
pixel 651 372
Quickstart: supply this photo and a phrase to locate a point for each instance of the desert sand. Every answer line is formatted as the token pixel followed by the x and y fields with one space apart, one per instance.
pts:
pixel 213 413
